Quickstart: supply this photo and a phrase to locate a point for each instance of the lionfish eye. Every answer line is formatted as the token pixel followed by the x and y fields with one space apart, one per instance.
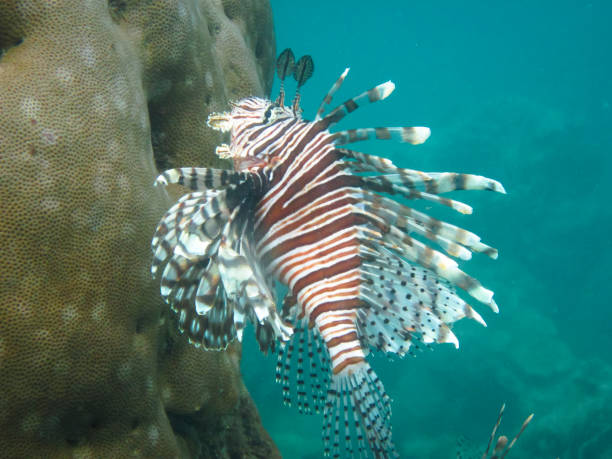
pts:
pixel 267 114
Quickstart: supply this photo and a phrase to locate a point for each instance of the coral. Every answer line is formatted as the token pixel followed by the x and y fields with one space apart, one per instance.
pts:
pixel 94 98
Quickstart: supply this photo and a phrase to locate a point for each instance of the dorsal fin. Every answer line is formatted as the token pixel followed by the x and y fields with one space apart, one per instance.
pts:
pixel 285 65
pixel 303 71
pixel 374 94
pixel 328 97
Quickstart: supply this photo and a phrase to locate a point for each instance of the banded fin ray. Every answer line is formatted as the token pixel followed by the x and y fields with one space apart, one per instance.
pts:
pixel 213 330
pixel 408 226
pixel 244 284
pixel 200 178
pixel 381 184
pixel 379 92
pixel 330 94
pixel 188 227
pixel 303 370
pixel 450 237
pixel 210 276
pixel 432 182
pixel 414 135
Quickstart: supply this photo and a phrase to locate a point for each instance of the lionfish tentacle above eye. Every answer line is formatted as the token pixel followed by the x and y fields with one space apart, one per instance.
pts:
pixel 364 270
pixel 304 69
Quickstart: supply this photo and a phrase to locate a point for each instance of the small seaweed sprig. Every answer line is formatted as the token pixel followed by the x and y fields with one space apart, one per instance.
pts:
pixel 501 445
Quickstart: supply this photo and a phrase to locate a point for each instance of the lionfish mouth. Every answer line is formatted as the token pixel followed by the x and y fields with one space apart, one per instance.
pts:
pixel 220 121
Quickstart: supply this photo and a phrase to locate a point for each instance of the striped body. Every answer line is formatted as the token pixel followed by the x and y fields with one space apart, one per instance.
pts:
pixel 359 264
pixel 306 237
pixel 299 160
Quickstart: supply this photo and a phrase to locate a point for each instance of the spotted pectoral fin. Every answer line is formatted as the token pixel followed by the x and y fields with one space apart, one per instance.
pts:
pixel 210 277
pixel 187 241
pixel 407 304
pixel 220 325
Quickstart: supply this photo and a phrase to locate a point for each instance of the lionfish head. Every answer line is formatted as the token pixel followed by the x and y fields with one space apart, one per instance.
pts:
pixel 249 113
pixel 255 113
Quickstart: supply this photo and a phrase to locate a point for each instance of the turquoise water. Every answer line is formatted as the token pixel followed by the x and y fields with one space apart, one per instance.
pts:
pixel 520 92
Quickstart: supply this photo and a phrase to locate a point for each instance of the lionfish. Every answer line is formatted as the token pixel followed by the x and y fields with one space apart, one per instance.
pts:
pixel 326 222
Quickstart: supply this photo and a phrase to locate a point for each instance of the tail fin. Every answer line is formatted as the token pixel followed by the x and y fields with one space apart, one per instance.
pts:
pixel 357 415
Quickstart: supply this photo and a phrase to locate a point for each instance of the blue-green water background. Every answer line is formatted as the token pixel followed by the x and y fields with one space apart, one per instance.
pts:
pixel 518 91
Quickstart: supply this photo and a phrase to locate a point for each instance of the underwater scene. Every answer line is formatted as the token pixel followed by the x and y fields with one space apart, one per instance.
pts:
pixel 408 259
pixel 515 91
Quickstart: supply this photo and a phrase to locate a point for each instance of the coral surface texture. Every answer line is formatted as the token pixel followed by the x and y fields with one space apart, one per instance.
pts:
pixel 96 97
